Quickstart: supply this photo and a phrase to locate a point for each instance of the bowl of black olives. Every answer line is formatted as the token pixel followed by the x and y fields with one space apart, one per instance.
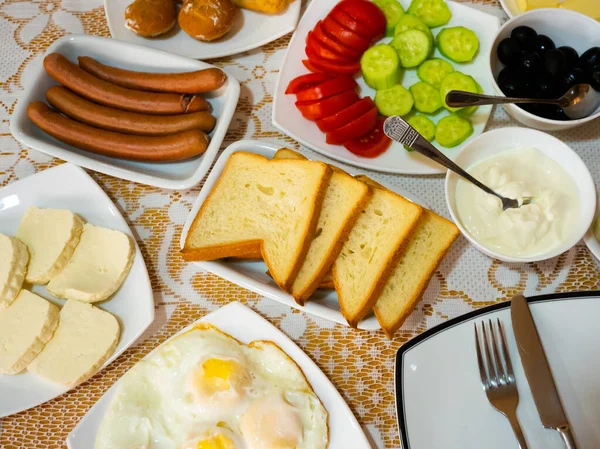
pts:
pixel 542 54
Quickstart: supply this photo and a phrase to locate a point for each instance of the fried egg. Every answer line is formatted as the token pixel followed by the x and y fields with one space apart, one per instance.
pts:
pixel 206 390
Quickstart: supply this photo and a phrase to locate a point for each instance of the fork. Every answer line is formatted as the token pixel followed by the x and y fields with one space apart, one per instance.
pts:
pixel 497 376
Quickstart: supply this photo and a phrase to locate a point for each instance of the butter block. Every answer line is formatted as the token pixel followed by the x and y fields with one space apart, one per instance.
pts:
pixel 84 339
pixel 536 4
pixel 99 265
pixel 25 327
pixel 590 8
pixel 51 236
pixel 13 267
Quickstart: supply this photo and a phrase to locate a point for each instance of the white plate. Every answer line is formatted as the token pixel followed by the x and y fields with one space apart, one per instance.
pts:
pixel 590 238
pixel 250 30
pixel 171 175
pixel 69 187
pixel 245 325
pixel 510 8
pixel 252 274
pixel 441 403
pixel 396 159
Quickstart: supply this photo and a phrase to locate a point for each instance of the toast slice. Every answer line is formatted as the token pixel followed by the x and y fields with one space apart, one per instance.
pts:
pixel 344 200
pixel 261 204
pixel 371 251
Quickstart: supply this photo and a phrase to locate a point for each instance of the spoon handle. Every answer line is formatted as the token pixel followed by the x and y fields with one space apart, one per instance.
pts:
pixel 459 99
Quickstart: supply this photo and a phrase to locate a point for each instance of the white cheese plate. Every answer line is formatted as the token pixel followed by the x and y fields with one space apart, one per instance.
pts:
pixel 69 187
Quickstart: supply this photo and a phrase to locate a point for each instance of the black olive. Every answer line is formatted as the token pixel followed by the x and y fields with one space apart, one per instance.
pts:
pixel 571 55
pixel 590 58
pixel 542 44
pixel 509 51
pixel 545 87
pixel 572 77
pixel 555 63
pixel 525 36
pixel 550 111
pixel 594 78
pixel 530 63
pixel 509 82
pixel 532 108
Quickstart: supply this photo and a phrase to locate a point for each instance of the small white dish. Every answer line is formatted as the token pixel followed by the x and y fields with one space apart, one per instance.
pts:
pixel 243 324
pixel 510 7
pixel 69 187
pixel 441 403
pixel 591 239
pixel 564 27
pixel 252 274
pixel 250 30
pixel 168 175
pixel 396 159
pixel 498 140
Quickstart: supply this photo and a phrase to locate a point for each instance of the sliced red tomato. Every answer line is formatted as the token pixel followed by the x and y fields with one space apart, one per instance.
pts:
pixel 311 67
pixel 345 116
pixel 328 88
pixel 367 13
pixel 324 52
pixel 303 82
pixel 355 128
pixel 371 144
pixel 315 110
pixel 334 44
pixel 329 66
pixel 349 22
pixel 345 36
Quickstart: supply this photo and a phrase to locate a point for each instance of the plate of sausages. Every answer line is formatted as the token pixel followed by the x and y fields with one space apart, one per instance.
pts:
pixel 125 110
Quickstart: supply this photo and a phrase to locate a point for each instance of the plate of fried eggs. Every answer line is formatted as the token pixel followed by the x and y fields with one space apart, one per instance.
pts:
pixel 231 380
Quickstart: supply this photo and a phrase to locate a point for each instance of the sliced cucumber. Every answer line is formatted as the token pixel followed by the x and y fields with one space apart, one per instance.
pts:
pixel 453 130
pixel 469 110
pixel 423 125
pixel 459 44
pixel 433 12
pixel 434 70
pixel 380 66
pixel 410 22
pixel 392 10
pixel 413 47
pixel 456 81
pixel 427 98
pixel 395 100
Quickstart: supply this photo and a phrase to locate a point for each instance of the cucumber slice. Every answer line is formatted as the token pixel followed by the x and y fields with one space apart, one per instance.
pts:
pixel 410 22
pixel 453 130
pixel 395 100
pixel 434 70
pixel 392 10
pixel 469 110
pixel 456 81
pixel 427 98
pixel 380 66
pixel 433 12
pixel 459 44
pixel 413 47
pixel 423 125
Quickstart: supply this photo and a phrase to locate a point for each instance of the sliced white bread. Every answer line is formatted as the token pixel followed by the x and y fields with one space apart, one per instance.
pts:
pixel 84 339
pixel 370 253
pixel 257 203
pixel 25 327
pixel 344 200
pixel 13 267
pixel 51 236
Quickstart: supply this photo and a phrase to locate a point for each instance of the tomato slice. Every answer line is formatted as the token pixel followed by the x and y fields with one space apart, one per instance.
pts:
pixel 371 144
pixel 315 110
pixel 367 13
pixel 303 82
pixel 324 52
pixel 329 66
pixel 311 67
pixel 345 36
pixel 328 88
pixel 345 116
pixel 355 128
pixel 334 44
pixel 347 21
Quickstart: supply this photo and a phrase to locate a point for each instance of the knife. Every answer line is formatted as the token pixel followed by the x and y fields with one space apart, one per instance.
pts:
pixel 537 371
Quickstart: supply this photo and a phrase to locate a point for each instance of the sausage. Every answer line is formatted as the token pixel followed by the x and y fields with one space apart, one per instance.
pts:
pixel 184 83
pixel 108 94
pixel 82 110
pixel 107 143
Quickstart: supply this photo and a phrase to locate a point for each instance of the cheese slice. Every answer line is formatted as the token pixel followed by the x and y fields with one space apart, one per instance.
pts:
pixel 84 339
pixel 51 236
pixel 13 266
pixel 25 327
pixel 528 5
pixel 588 7
pixel 98 267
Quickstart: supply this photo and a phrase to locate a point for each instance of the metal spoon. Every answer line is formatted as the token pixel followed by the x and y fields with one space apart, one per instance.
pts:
pixel 399 130
pixel 578 102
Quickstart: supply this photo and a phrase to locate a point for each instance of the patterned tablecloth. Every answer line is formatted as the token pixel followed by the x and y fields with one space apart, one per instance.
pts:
pixel 359 363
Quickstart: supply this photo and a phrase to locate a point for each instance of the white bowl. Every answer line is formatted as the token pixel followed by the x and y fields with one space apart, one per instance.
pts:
pixel 564 28
pixel 493 142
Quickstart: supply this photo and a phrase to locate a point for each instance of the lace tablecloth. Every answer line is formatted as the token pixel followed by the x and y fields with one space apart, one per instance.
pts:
pixel 359 363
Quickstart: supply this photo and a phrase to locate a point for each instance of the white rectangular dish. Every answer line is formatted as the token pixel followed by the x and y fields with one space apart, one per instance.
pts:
pixel 168 175
pixel 243 324
pixel 252 274
pixel 69 187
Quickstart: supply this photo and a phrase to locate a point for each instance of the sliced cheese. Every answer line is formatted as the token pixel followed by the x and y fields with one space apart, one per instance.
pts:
pixel 98 267
pixel 13 266
pixel 590 8
pixel 51 236
pixel 536 4
pixel 25 327
pixel 84 339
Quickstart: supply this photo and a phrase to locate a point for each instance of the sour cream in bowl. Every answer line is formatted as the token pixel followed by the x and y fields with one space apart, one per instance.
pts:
pixel 522 163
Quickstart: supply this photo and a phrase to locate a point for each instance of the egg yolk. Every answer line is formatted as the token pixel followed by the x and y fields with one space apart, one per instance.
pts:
pixel 216 373
pixel 219 381
pixel 218 441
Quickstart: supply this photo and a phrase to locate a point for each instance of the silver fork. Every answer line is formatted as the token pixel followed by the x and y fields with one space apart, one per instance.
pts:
pixel 497 376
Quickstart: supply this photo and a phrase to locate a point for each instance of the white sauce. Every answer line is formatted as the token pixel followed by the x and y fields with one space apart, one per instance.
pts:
pixel 531 229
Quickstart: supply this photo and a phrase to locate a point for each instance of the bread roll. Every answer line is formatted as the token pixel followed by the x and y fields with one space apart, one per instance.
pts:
pixel 150 18
pixel 207 20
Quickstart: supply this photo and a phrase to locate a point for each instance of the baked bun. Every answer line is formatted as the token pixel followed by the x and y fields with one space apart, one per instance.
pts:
pixel 150 18
pixel 207 20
